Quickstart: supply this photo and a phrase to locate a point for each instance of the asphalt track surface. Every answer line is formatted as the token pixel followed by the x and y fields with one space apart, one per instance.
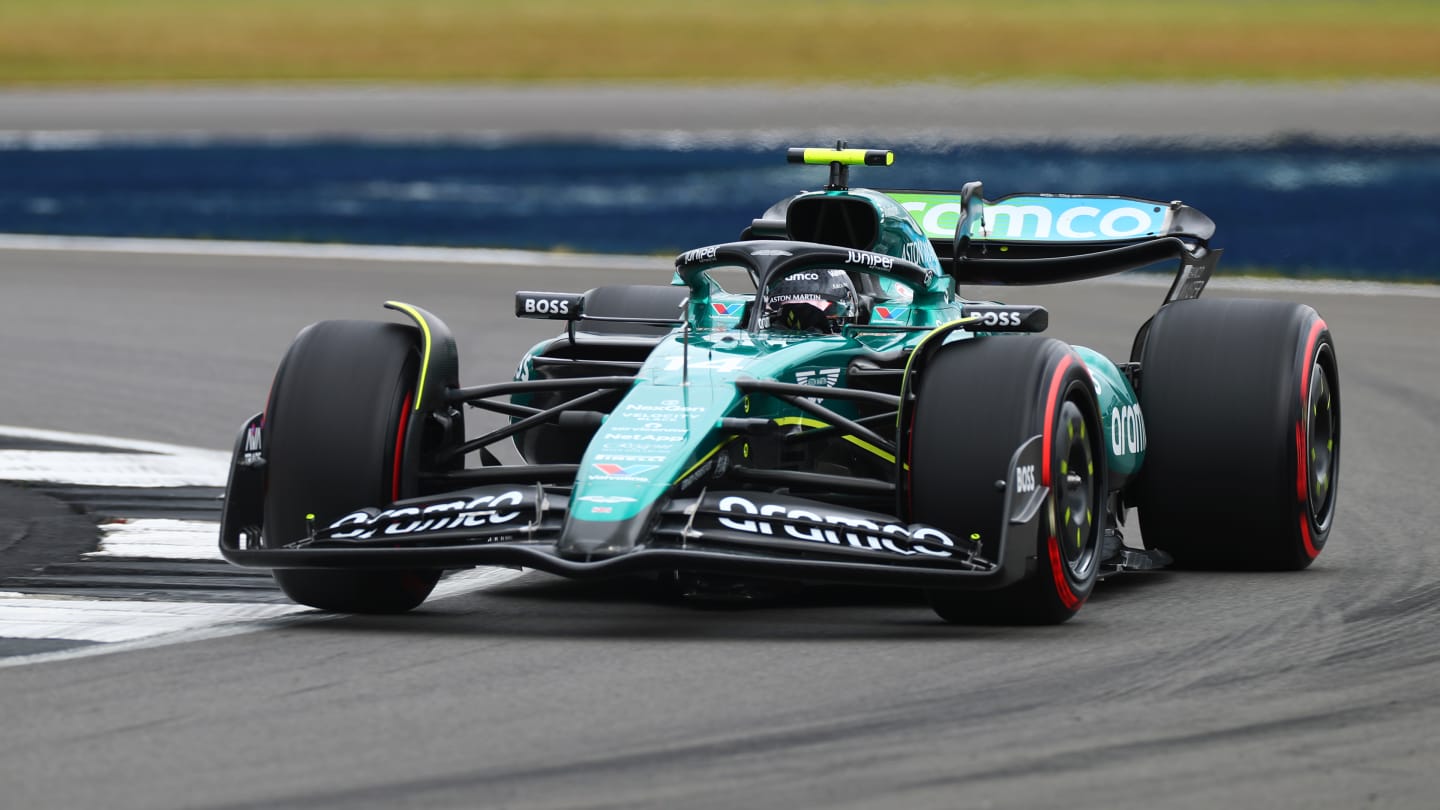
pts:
pixel 1175 690
pixel 894 115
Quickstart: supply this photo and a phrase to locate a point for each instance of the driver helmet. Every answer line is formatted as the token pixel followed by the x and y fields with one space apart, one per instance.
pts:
pixel 812 301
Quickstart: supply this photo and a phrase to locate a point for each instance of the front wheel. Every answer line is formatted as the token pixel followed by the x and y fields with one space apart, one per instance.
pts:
pixel 335 428
pixel 977 401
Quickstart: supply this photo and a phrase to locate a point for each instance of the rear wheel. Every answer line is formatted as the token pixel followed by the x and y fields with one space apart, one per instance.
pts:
pixel 978 401
pixel 335 426
pixel 1242 415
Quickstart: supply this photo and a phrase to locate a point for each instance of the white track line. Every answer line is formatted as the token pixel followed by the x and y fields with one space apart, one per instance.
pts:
pixel 589 261
pixel 1311 286
pixel 159 539
pixel 287 250
pixel 111 620
pixel 139 464
pixel 117 624
pixel 110 442
pixel 109 469
pixel 123 626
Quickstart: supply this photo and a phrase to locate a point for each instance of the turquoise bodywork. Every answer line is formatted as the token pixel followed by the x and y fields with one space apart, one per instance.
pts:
pixel 1119 414
pixel 665 436
pixel 666 428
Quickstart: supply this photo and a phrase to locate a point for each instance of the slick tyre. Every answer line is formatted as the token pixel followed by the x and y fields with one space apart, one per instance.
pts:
pixel 334 424
pixel 1241 400
pixel 977 402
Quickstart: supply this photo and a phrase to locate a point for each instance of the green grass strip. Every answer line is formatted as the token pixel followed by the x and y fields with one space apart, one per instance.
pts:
pixel 866 41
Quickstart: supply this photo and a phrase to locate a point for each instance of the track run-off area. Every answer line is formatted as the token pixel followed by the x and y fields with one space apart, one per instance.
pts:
pixel 1177 689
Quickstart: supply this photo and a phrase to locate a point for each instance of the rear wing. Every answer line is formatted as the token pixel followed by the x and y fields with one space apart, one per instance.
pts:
pixel 1051 238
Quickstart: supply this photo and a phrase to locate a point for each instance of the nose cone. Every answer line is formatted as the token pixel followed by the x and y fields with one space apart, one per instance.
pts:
pixel 587 540
pixel 647 444
pixel 610 517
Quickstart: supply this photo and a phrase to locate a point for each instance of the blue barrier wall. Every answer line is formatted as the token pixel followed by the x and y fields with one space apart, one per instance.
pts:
pixel 1297 208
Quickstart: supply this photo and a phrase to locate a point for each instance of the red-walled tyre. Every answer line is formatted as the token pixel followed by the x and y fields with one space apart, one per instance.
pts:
pixel 338 409
pixel 977 402
pixel 1242 415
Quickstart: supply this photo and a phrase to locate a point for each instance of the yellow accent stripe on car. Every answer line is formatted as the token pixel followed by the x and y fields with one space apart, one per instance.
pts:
pixel 425 355
pixel 941 330
pixel 703 459
pixel 805 421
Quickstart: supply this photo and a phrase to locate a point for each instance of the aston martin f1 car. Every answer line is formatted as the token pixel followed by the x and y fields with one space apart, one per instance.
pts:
pixel 814 403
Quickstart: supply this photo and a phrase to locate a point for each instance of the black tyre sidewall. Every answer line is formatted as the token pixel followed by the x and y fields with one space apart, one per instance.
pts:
pixel 1223 391
pixel 332 426
pixel 978 401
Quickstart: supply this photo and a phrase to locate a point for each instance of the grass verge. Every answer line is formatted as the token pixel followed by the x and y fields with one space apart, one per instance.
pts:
pixel 136 41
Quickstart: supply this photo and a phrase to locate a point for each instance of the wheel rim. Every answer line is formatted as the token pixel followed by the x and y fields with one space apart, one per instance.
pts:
pixel 1074 492
pixel 1321 440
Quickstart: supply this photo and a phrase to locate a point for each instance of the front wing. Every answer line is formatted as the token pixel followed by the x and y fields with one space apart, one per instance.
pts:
pixel 733 532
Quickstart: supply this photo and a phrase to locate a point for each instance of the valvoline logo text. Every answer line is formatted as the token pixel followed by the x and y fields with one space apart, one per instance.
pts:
pixel 892 313
pixel 624 470
pixel 726 309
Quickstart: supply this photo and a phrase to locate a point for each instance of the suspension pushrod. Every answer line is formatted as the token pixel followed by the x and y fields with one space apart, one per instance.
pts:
pixel 520 426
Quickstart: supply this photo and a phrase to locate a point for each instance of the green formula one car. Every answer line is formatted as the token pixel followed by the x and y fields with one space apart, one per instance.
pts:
pixel 814 403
